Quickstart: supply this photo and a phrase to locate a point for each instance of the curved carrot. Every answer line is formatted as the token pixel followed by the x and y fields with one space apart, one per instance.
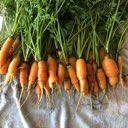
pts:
pixel 12 69
pixel 5 50
pixel 73 77
pixel 4 68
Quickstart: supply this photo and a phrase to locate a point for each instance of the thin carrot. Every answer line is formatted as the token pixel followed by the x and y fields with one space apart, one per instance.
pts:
pixel 38 93
pixel 72 61
pixel 102 54
pixel 5 50
pixel 91 57
pixel 23 76
pixel 14 46
pixel 4 68
pixel 111 70
pixel 73 77
pixel 31 79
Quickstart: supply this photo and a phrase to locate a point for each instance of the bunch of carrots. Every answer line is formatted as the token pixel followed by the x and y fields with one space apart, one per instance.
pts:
pixel 64 45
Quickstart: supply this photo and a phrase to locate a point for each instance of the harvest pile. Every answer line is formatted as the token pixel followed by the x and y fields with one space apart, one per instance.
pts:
pixel 70 44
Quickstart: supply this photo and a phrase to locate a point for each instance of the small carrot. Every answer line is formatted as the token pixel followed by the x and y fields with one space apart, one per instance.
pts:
pixel 4 68
pixel 91 57
pixel 67 83
pixel 102 54
pixel 12 69
pixel 72 61
pixel 120 66
pixel 23 76
pixel 14 46
pixel 111 70
pixel 5 50
pixel 38 93
pixel 31 79
pixel 125 79
pixel 73 77
pixel 102 82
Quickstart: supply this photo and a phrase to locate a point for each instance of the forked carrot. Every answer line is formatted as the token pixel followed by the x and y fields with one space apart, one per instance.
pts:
pixel 23 76
pixel 38 92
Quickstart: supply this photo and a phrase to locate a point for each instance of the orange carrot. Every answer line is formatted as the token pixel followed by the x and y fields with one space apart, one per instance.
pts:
pixel 23 76
pixel 14 46
pixel 72 61
pixel 111 70
pixel 73 77
pixel 81 72
pixel 126 79
pixel 12 69
pixel 31 79
pixel 61 74
pixel 4 68
pixel 5 50
pixel 102 54
pixel 38 92
pixel 42 73
pixel 91 57
pixel 101 79
pixel 52 70
pixel 7 78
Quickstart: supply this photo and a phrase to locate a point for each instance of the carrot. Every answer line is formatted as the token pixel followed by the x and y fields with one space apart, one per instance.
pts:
pixel 12 69
pixel 91 57
pixel 61 74
pixel 31 79
pixel 14 46
pixel 96 88
pixel 102 54
pixel 72 61
pixel 67 83
pixel 23 76
pixel 73 77
pixel 111 70
pixel 120 66
pixel 42 74
pixel 38 92
pixel 5 50
pixel 126 79
pixel 81 72
pixel 52 70
pixel 7 78
pixel 4 68
pixel 102 81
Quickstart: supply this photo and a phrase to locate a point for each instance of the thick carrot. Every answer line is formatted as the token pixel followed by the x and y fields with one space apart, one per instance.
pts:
pixel 52 70
pixel 72 61
pixel 23 76
pixel 5 50
pixel 111 70
pixel 73 77
pixel 4 68
pixel 12 69
pixel 81 72
pixel 14 46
